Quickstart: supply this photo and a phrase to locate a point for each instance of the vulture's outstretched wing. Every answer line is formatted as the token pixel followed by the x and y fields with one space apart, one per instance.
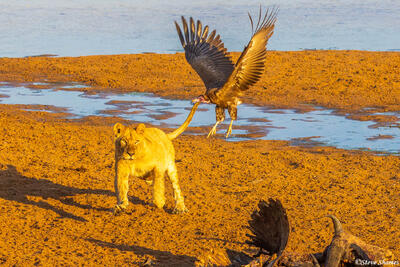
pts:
pixel 270 228
pixel 251 63
pixel 207 56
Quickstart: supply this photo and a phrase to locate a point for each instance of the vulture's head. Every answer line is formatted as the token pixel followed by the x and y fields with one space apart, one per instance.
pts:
pixel 201 99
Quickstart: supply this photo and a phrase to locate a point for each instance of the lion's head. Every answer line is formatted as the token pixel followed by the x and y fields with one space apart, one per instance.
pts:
pixel 129 142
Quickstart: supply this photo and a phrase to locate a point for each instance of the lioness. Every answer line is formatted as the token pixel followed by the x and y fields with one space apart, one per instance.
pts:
pixel 147 153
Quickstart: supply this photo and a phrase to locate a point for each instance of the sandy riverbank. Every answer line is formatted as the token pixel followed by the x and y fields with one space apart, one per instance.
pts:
pixel 334 79
pixel 56 175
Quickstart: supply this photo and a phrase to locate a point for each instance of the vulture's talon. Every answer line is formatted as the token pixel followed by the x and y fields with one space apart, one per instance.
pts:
pixel 213 130
pixel 229 131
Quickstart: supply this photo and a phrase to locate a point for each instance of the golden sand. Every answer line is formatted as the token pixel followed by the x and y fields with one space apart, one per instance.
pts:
pixel 56 175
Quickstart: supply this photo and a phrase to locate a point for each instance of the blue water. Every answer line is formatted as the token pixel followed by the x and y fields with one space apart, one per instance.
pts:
pixel 89 27
pixel 320 126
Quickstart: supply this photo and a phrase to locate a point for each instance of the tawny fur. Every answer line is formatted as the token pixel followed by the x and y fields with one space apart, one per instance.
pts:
pixel 147 153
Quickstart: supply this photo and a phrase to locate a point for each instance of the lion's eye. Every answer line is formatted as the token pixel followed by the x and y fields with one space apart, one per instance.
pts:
pixel 123 143
pixel 137 142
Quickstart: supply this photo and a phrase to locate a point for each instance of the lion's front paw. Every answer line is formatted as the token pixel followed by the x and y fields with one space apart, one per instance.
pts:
pixel 180 210
pixel 118 209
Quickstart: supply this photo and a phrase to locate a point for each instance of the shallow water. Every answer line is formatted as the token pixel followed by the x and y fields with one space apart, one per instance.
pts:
pixel 319 126
pixel 91 27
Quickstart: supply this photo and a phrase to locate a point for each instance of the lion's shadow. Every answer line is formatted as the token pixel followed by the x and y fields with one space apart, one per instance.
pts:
pixel 16 187
pixel 163 258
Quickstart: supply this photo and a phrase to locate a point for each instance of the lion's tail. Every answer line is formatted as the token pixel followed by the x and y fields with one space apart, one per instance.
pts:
pixel 183 127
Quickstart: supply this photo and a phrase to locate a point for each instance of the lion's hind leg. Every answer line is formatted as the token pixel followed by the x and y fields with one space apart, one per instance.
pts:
pixel 179 202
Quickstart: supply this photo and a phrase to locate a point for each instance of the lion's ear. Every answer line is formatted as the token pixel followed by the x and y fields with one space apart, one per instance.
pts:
pixel 140 128
pixel 118 127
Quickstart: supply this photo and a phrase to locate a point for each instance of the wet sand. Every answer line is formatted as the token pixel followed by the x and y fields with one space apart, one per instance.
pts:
pixel 349 80
pixel 56 175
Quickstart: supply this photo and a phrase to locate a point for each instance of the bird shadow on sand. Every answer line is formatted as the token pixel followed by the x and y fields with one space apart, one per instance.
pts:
pixel 162 258
pixel 237 258
pixel 16 187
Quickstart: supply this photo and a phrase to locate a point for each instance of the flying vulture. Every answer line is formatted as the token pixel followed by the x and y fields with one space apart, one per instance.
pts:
pixel 226 82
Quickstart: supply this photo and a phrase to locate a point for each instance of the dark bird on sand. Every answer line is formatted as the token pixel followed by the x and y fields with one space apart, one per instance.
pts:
pixel 270 229
pixel 225 82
